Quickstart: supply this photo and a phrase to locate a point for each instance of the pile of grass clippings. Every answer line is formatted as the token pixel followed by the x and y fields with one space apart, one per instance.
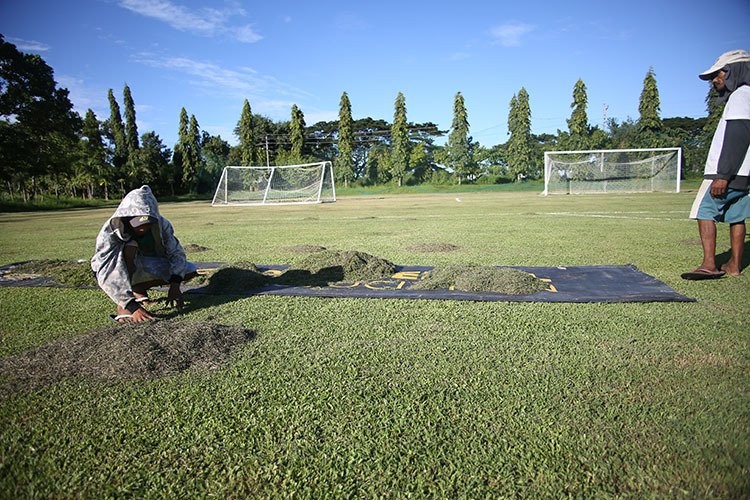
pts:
pixel 63 272
pixel 237 277
pixel 334 266
pixel 503 280
pixel 129 351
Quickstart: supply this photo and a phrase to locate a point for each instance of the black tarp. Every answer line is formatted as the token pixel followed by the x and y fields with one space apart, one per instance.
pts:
pixel 601 283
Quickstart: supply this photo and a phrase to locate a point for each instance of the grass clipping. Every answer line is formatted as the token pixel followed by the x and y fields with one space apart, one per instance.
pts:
pixel 330 266
pixel 63 272
pixel 121 352
pixel 504 280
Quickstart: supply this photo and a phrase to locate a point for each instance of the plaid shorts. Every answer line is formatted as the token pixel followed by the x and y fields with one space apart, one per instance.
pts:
pixel 731 208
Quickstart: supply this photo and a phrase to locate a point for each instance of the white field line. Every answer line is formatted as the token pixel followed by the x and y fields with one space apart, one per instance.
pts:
pixel 625 215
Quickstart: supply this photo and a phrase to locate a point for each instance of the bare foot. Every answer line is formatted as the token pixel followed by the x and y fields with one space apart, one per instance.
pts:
pixel 123 315
pixel 730 270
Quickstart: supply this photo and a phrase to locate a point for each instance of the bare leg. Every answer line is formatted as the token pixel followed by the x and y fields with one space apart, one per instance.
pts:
pixel 737 234
pixel 707 231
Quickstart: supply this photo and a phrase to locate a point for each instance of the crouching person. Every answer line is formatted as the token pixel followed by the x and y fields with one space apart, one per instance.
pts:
pixel 136 250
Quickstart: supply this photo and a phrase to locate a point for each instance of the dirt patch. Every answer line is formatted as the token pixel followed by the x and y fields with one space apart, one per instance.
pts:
pixel 345 266
pixel 194 248
pixel 64 272
pixel 433 247
pixel 503 280
pixel 305 248
pixel 121 352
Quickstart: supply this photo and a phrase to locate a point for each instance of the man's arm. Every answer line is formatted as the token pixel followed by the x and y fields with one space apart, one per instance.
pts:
pixel 733 151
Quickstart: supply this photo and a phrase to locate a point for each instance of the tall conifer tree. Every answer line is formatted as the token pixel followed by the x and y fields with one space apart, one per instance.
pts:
pixel 344 160
pixel 649 105
pixel 458 147
pixel 297 134
pixel 519 155
pixel 244 132
pixel 399 141
pixel 131 129
pixel 117 130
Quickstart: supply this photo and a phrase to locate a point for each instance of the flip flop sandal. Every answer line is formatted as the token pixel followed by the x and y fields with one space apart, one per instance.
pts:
pixel 702 274
pixel 117 318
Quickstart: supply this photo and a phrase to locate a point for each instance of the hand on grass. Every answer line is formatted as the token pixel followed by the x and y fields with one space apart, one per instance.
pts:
pixel 140 315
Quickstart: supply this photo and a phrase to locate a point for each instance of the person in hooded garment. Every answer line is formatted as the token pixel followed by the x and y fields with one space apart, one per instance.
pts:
pixel 723 195
pixel 136 250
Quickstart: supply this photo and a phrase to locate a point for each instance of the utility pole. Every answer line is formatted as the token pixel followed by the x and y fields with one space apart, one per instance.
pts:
pixel 604 117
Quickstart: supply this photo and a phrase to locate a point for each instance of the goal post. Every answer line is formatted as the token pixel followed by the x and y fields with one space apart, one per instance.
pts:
pixel 276 185
pixel 612 171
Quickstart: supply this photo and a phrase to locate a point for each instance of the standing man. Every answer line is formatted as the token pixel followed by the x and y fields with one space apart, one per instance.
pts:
pixel 723 196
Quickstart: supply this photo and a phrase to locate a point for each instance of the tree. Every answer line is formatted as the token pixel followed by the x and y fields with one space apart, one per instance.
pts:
pixel 578 126
pixel 518 150
pixel 458 153
pixel 152 161
pixel 344 160
pixel 93 159
pixel 215 152
pixel 649 105
pixel 116 134
pixel 244 132
pixel 297 135
pixel 180 149
pixel 399 160
pixel 39 131
pixel 131 129
pixel 191 158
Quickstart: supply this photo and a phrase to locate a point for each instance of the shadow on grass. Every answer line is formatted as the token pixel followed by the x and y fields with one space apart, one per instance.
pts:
pixel 723 257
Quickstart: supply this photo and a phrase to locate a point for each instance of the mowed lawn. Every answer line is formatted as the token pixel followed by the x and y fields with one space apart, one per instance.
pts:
pixel 371 397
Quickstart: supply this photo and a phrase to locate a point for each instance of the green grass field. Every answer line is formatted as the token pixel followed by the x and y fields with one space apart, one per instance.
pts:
pixel 395 398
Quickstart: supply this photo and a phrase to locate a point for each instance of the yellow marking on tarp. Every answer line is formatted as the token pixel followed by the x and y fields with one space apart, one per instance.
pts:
pixel 550 286
pixel 407 275
pixel 385 284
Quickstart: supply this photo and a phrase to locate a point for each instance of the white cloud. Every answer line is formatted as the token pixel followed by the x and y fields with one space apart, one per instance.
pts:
pixel 28 45
pixel 510 33
pixel 206 21
pixel 265 92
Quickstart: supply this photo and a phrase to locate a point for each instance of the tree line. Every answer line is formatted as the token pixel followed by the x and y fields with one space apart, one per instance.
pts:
pixel 46 148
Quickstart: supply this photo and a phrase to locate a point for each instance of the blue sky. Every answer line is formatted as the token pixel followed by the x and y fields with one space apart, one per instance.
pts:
pixel 209 56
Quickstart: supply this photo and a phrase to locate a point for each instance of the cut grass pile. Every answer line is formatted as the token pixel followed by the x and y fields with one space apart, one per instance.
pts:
pixel 69 273
pixel 503 280
pixel 237 277
pixel 348 265
pixel 319 268
pixel 131 351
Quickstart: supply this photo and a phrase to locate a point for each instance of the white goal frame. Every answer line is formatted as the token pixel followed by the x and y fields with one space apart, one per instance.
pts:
pixel 266 185
pixel 667 174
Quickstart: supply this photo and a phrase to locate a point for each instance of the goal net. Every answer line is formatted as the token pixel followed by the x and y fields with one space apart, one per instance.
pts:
pixel 308 183
pixel 612 170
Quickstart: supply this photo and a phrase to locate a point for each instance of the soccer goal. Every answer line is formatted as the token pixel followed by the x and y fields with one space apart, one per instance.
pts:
pixel 308 183
pixel 612 171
